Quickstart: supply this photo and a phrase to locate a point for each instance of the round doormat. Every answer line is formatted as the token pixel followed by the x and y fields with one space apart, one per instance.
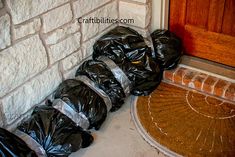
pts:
pixel 182 122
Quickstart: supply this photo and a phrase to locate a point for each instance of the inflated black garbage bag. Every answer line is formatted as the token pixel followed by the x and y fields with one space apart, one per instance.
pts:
pixel 129 51
pixel 13 146
pixel 144 81
pixel 168 48
pixel 56 133
pixel 98 72
pixel 122 43
pixel 84 100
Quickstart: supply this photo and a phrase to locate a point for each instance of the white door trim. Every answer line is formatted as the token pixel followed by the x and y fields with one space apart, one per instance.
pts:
pixel 160 14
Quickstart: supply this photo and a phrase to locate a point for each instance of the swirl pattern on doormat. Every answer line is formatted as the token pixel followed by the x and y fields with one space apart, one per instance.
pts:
pixel 187 122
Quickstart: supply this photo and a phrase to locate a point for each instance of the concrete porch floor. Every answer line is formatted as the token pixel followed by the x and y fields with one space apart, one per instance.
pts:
pixel 118 137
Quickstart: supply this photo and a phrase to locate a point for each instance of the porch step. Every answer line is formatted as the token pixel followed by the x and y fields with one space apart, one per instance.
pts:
pixel 203 81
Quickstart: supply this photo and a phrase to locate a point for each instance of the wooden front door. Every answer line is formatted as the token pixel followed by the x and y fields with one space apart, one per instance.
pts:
pixel 207 28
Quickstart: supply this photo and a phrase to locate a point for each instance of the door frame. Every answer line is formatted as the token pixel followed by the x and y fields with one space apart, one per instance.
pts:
pixel 160 14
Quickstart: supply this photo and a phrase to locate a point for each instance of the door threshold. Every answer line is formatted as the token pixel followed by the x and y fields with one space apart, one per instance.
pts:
pixel 220 70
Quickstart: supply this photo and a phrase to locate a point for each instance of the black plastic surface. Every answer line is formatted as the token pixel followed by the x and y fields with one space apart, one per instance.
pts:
pixel 56 133
pixel 168 48
pixel 128 50
pixel 13 146
pixel 98 72
pixel 80 97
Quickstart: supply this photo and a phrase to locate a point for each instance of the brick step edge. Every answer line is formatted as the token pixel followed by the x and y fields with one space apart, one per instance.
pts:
pixel 200 81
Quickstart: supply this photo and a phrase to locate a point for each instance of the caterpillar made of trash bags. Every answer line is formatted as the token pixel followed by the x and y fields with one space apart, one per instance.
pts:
pixel 122 64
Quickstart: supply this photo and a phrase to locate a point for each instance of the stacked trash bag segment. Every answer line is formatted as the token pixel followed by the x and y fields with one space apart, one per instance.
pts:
pixel 122 64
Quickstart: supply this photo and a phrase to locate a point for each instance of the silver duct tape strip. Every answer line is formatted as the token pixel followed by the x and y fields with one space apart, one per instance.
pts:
pixel 34 145
pixel 118 74
pixel 79 118
pixel 99 91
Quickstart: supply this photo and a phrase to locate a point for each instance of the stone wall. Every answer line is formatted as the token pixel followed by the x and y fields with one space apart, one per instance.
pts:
pixel 42 43
pixel 140 11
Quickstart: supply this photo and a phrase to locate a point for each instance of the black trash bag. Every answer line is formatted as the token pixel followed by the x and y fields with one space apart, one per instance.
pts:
pixel 13 146
pixel 98 72
pixel 80 97
pixel 129 51
pixel 143 81
pixel 168 48
pixel 56 133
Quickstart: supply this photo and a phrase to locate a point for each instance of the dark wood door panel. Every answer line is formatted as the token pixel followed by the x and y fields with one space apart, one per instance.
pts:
pixel 197 12
pixel 215 16
pixel 229 18
pixel 206 27
pixel 209 45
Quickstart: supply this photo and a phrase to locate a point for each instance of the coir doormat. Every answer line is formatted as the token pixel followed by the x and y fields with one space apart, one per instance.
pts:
pixel 181 122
